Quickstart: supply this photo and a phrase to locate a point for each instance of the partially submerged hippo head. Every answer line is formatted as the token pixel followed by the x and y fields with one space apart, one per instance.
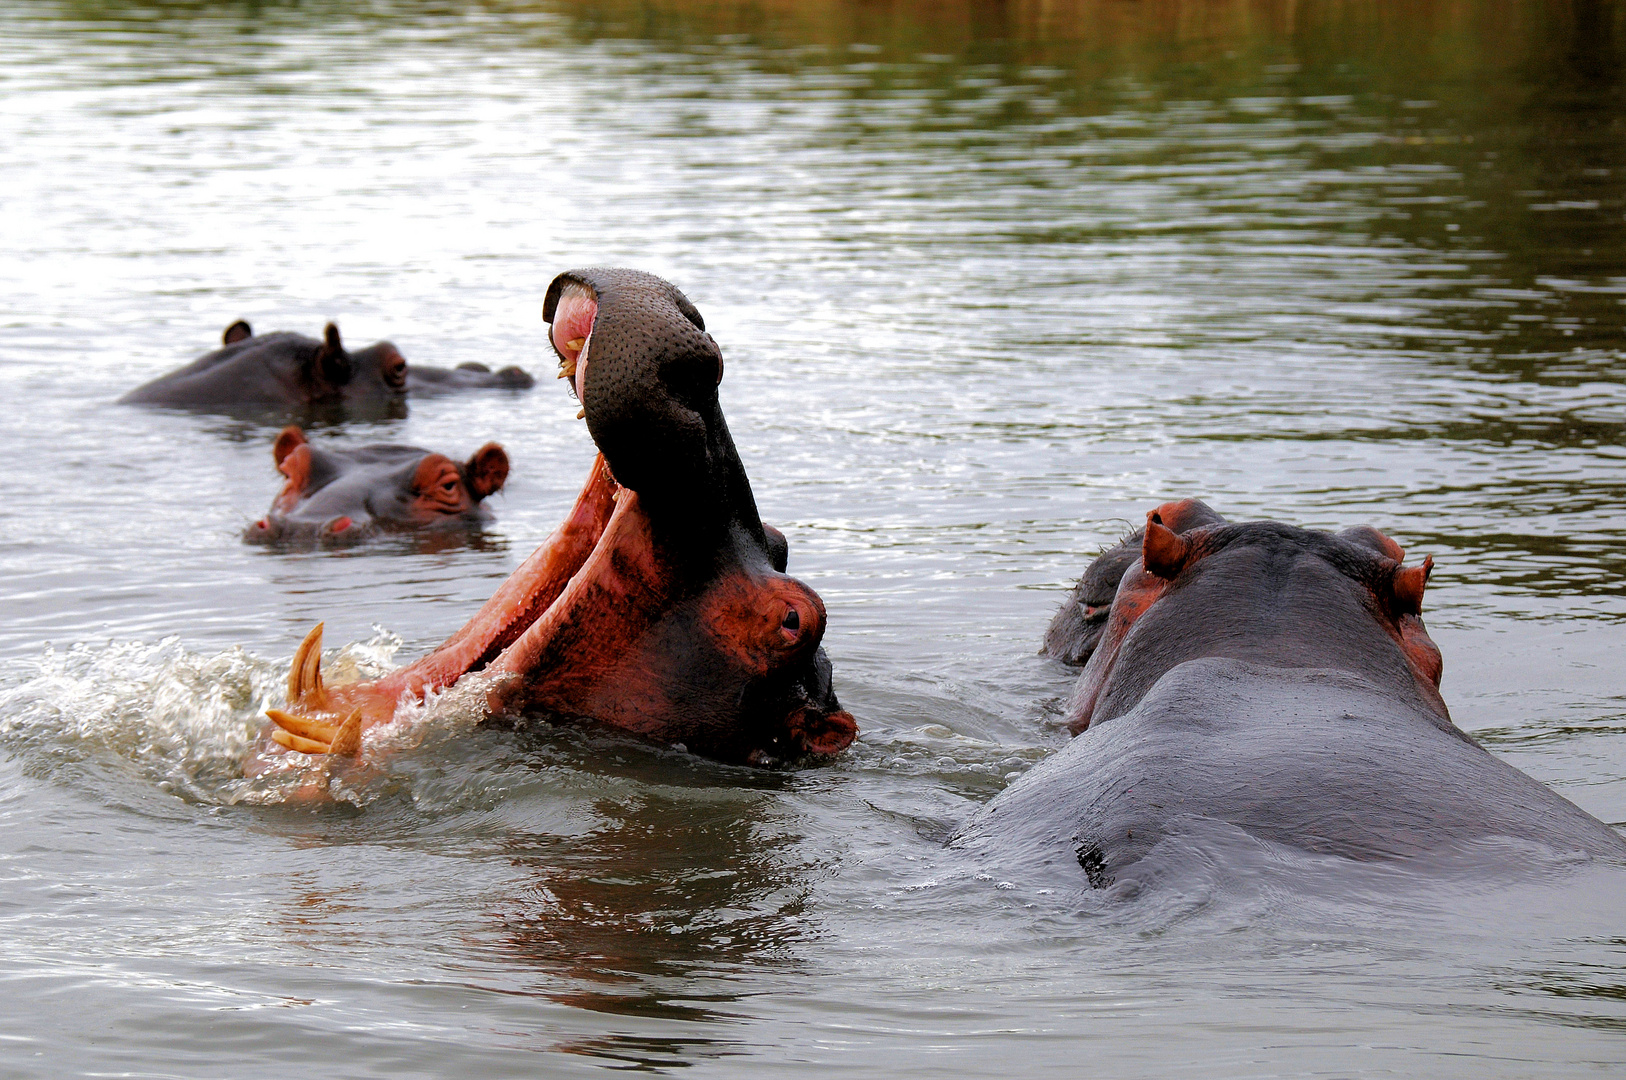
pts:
pixel 280 370
pixel 1260 689
pixel 1076 628
pixel 283 371
pixel 336 495
pixel 661 605
pixel 1264 592
pixel 423 381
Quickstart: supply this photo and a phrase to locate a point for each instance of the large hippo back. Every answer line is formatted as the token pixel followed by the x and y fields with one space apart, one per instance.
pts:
pixel 1311 758
pixel 1277 681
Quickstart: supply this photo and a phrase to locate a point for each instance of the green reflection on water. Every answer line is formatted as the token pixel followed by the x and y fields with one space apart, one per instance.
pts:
pixel 1493 133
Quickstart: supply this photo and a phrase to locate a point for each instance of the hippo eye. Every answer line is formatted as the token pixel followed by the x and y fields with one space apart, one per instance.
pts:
pixel 448 486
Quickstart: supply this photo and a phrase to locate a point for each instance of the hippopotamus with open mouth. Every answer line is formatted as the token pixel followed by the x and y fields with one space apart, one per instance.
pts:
pixel 660 605
pixel 1273 679
pixel 334 495
pixel 292 371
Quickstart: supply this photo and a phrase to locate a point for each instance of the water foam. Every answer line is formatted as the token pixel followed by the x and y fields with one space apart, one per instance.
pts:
pixel 184 722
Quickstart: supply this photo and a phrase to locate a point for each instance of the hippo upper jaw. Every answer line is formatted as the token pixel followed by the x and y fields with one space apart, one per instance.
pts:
pixel 712 646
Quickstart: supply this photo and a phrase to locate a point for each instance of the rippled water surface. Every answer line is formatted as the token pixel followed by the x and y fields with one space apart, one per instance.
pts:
pixel 991 281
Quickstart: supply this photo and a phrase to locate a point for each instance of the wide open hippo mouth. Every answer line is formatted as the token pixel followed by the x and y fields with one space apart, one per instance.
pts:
pixel 659 605
pixel 670 616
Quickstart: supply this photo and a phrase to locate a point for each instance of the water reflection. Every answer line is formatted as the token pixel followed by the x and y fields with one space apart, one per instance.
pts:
pixel 993 279
pixel 657 908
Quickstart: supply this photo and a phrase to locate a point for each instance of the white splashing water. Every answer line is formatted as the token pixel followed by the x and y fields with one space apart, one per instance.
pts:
pixel 186 721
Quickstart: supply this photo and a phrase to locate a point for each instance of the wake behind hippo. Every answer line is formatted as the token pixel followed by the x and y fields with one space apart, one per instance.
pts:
pixel 1270 680
pixel 660 605
pixel 291 372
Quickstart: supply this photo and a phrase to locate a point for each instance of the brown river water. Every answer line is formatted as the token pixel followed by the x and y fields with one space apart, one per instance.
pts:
pixel 992 279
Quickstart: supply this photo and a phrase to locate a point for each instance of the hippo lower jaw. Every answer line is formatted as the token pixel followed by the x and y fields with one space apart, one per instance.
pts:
pixel 599 623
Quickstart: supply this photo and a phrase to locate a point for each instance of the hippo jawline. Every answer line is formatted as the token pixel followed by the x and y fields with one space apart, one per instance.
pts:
pixel 611 621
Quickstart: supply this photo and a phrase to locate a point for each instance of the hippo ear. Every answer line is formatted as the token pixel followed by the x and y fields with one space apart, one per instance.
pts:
pixel 291 438
pixel 1163 551
pixel 331 359
pixel 487 470
pixel 237 331
pixel 1183 515
pixel 1409 583
pixel 296 466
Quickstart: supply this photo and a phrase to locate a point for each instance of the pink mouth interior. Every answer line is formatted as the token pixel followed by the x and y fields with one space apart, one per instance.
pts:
pixel 573 318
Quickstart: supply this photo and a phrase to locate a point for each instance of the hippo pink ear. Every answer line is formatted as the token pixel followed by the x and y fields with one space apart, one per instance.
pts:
pixel 237 331
pixel 296 466
pixel 1163 552
pixel 290 438
pixel 1409 583
pixel 487 470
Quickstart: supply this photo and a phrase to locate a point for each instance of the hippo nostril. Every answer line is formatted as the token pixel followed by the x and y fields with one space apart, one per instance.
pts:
pixel 792 620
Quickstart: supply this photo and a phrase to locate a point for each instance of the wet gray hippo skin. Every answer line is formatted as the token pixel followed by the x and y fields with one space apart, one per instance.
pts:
pixel 292 371
pixel 423 381
pixel 1273 680
pixel 340 496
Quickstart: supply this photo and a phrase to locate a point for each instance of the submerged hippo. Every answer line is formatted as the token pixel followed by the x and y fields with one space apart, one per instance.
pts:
pixel 337 495
pixel 1270 679
pixel 660 604
pixel 292 371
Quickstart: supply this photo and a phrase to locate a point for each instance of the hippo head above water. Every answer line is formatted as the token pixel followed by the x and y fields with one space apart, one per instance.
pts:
pixel 284 371
pixel 280 369
pixel 334 495
pixel 661 605
pixel 1254 683
pixel 1199 585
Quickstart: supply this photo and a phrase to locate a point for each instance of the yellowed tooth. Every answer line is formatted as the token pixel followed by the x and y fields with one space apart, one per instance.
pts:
pixel 581 414
pixel 296 742
pixel 347 740
pixel 576 343
pixel 567 370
